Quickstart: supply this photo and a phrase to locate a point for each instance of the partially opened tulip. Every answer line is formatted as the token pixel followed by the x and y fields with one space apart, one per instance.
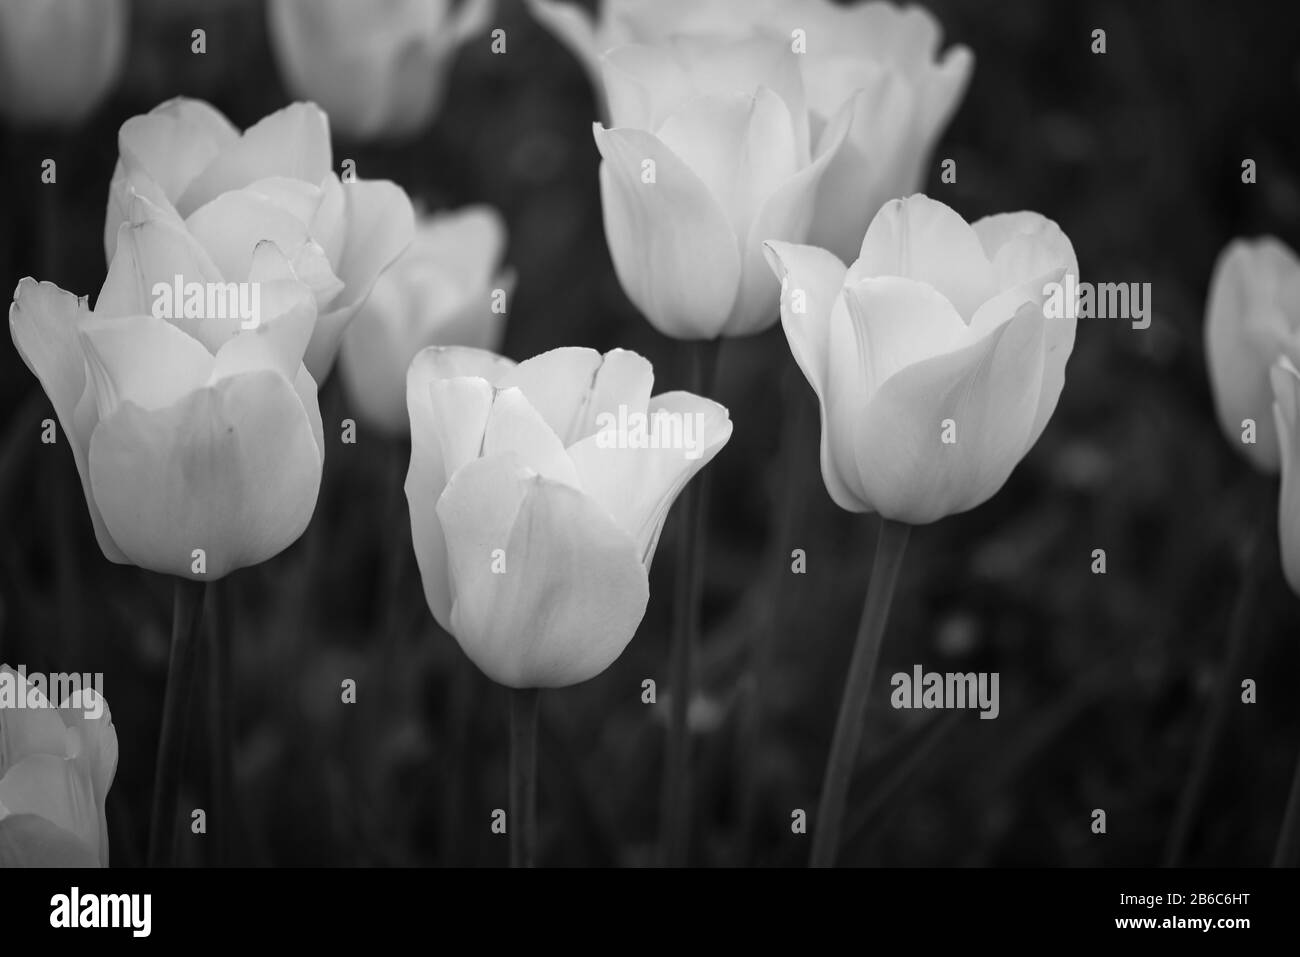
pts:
pixel 57 764
pixel 378 68
pixel 184 165
pixel 710 153
pixel 1252 318
pixel 446 289
pixel 537 495
pixel 936 367
pixel 59 58
pixel 198 442
pixel 881 57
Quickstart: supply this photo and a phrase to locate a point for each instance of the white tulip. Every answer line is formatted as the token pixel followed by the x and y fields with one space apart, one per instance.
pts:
pixel 931 357
pixel 446 289
pixel 1252 318
pixel 184 163
pixel 534 519
pixel 378 68
pixel 887 53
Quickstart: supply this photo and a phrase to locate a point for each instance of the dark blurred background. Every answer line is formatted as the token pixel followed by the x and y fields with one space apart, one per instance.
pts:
pixel 1107 681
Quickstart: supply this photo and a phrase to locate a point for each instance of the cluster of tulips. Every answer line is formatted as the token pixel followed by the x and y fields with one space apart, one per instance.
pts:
pixel 759 163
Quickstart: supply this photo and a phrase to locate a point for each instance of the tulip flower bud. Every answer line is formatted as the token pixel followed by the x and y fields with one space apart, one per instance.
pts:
pixel 878 59
pixel 378 68
pixel 185 165
pixel 537 494
pixel 709 154
pixel 56 767
pixel 1252 318
pixel 197 435
pixel 444 290
pixel 932 359
pixel 59 58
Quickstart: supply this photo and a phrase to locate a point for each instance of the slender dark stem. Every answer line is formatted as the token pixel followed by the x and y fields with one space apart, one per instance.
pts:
pixel 687 592
pixel 787 506
pixel 187 612
pixel 522 822
pixel 1216 722
pixel 221 707
pixel 890 545
pixel 1287 852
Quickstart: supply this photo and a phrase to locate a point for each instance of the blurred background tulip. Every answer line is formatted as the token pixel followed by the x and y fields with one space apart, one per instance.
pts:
pixel 887 53
pixel 446 289
pixel 1285 382
pixel 57 764
pixel 534 526
pixel 932 359
pixel 59 58
pixel 1252 318
pixel 378 68
pixel 709 153
pixel 188 434
pixel 208 194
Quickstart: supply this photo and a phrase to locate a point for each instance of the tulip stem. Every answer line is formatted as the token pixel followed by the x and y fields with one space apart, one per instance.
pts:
pixel 523 776
pixel 1207 745
pixel 187 612
pixel 687 593
pixel 890 545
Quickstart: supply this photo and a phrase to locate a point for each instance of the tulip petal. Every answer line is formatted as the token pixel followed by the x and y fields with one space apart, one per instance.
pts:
pixel 448 396
pixel 142 360
pixel 29 840
pixel 811 281
pixel 514 426
pixel 173 144
pixel 637 486
pixel 293 142
pixel 673 248
pixel 1247 326
pixel 24 730
pixel 921 238
pixel 988 389
pixel 232 225
pixel 278 342
pixel 43 323
pixel 94 750
pixel 1024 247
pixel 897 323
pixel 573 590
pixel 874 165
pixel 233 469
pixel 785 216
pixel 380 225
pixel 51 786
pixel 558 385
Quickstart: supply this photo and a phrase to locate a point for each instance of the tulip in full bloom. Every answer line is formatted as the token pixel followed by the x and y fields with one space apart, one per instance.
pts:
pixel 931 357
pixel 710 153
pixel 884 59
pixel 56 766
pixel 446 289
pixel 534 523
pixel 59 58
pixel 379 67
pixel 207 195
pixel 188 433
pixel 1253 317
